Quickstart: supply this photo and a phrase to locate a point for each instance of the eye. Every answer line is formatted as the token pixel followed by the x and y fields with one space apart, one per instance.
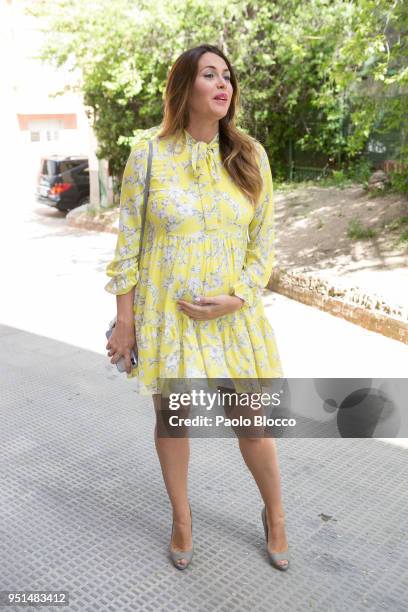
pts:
pixel 210 74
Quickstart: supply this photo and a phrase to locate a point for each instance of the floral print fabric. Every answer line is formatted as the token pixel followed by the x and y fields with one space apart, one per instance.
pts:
pixel 202 237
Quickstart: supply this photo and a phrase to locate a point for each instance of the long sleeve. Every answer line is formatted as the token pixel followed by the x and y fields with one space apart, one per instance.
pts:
pixel 258 263
pixel 123 269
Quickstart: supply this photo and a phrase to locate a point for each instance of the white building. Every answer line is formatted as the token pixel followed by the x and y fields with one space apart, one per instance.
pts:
pixel 32 122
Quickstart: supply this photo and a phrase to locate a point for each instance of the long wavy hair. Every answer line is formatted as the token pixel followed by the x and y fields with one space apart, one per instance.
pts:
pixel 239 154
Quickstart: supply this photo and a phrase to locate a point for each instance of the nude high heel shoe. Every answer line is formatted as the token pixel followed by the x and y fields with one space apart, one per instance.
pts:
pixel 274 557
pixel 182 554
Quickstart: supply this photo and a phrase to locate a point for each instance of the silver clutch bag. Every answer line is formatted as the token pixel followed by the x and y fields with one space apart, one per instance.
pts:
pixel 134 354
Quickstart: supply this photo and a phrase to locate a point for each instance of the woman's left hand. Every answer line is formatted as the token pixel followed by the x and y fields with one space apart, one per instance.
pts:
pixel 205 308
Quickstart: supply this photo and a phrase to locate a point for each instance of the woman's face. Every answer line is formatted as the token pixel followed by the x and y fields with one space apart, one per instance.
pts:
pixel 212 80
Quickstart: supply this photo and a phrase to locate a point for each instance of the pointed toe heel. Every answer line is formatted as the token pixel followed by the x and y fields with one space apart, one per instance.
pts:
pixel 275 557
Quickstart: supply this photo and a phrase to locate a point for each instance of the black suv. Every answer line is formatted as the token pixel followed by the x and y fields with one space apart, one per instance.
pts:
pixel 63 182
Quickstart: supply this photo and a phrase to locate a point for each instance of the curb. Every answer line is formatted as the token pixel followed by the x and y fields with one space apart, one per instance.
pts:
pixel 370 311
pixel 79 217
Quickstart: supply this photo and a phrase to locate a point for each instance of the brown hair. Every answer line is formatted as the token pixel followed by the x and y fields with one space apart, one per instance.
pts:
pixel 238 151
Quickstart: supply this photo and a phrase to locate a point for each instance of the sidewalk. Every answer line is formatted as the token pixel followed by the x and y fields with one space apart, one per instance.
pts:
pixel 84 507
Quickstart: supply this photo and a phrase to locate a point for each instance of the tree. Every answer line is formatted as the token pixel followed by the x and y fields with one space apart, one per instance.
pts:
pixel 302 66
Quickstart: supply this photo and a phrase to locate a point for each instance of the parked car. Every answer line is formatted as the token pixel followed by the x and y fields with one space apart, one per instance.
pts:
pixel 63 182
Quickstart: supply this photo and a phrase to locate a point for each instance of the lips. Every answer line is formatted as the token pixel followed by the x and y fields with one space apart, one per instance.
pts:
pixel 223 97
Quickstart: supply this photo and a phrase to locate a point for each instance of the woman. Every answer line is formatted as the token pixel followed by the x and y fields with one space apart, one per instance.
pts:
pixel 194 304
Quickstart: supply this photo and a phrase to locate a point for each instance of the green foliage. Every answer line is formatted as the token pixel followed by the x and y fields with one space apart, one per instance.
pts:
pixel 399 181
pixel 355 172
pixel 360 171
pixel 397 223
pixel 337 178
pixel 318 73
pixel 356 231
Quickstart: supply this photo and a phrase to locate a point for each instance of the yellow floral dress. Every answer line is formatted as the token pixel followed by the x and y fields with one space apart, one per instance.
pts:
pixel 202 237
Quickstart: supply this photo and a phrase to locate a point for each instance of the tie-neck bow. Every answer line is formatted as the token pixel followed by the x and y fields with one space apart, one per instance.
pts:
pixel 204 153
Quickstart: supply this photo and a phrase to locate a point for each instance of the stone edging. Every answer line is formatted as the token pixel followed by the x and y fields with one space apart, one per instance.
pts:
pixel 351 303
pixel 80 217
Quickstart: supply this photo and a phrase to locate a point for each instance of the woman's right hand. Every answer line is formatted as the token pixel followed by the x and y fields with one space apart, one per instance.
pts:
pixel 121 343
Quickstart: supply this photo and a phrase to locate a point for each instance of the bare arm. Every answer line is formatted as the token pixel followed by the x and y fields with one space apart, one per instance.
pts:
pixel 124 307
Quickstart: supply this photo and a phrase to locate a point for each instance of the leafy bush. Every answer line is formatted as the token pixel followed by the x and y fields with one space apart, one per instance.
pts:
pixel 360 172
pixel 399 181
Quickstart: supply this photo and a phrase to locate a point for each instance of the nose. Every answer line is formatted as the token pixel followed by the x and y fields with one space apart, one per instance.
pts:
pixel 221 81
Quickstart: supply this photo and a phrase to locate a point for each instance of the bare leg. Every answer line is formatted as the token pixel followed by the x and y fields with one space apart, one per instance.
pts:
pixel 260 455
pixel 174 456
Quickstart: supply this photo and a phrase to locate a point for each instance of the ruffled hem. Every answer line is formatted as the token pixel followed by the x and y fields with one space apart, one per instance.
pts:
pixel 237 345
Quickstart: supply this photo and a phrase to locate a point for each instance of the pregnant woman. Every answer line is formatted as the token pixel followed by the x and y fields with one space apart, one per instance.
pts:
pixel 193 303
